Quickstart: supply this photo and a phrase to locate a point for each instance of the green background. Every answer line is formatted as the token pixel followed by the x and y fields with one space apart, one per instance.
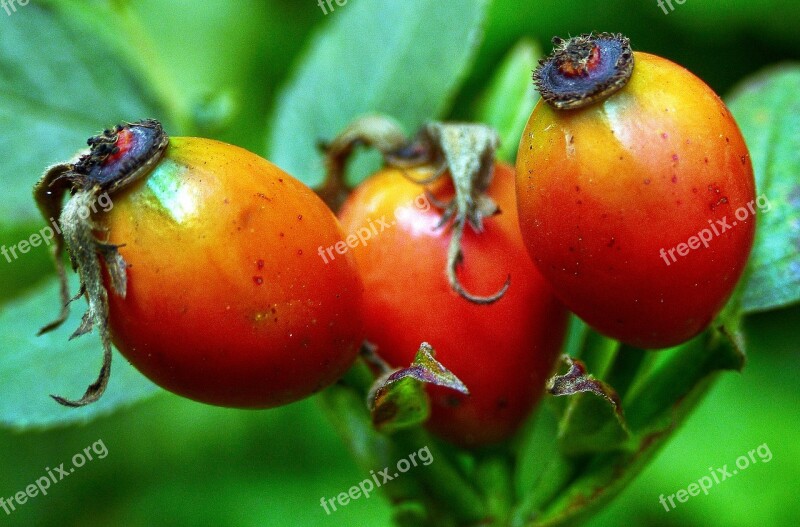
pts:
pixel 175 462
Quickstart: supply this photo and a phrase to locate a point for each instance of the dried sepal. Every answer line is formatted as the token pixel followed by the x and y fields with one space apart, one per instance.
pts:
pixel 584 70
pixel 116 158
pixel 464 151
pixel 578 380
pixel 397 399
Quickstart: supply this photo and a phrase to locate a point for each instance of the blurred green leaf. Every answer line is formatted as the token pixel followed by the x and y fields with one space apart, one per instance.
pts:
pixel 19 271
pixel 511 96
pixel 35 367
pixel 403 59
pixel 767 108
pixel 59 86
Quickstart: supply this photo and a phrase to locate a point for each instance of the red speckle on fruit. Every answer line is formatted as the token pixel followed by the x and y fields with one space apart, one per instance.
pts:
pixel 721 201
pixel 260 264
pixel 258 280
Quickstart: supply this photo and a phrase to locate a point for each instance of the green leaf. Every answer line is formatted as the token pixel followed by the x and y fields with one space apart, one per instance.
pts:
pixel 511 97
pixel 767 108
pixel 59 86
pixel 34 367
pixel 403 59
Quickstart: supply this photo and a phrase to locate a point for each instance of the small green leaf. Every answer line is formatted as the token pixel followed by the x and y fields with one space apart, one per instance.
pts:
pixel 34 367
pixel 767 108
pixel 511 97
pixel 403 59
pixel 398 400
pixel 399 404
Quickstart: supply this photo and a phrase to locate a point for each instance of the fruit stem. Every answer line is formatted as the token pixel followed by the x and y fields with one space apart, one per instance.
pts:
pixel 376 131
pixel 447 488
pixel 495 476
pixel 443 480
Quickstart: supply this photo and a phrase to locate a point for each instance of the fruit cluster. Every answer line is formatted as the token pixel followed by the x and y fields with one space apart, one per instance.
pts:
pixel 215 275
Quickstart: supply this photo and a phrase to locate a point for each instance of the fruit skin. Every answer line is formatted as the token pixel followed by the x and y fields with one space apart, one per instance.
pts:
pixel 603 189
pixel 503 352
pixel 227 300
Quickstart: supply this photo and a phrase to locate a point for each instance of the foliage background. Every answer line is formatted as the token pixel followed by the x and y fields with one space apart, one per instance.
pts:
pixel 217 68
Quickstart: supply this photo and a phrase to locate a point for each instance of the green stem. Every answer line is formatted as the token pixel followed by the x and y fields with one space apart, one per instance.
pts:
pixel 448 491
pixel 556 476
pixel 443 480
pixel 495 476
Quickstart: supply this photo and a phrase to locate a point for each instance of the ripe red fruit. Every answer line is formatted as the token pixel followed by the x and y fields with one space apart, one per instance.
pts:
pixel 202 268
pixel 504 351
pixel 638 208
